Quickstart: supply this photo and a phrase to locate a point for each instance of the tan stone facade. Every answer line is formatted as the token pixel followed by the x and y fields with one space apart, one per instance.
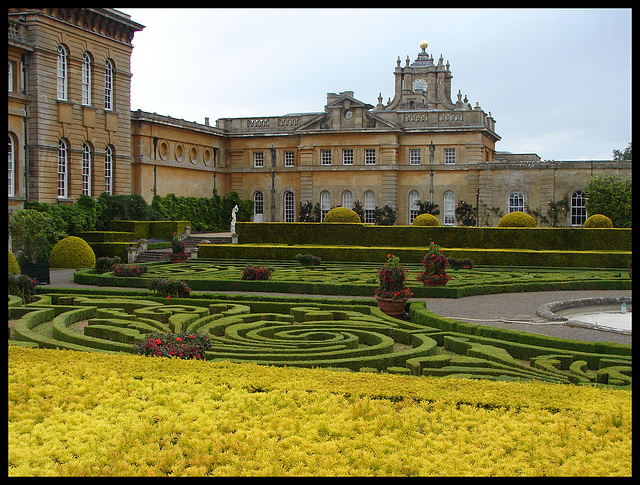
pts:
pixel 419 146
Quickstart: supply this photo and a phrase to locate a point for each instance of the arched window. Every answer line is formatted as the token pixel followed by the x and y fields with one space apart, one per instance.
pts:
pixel 369 207
pixel 108 85
pixel 325 203
pixel 347 199
pixel 414 208
pixel 63 165
pixel 516 202
pixel 86 169
pixel 86 79
pixel 258 206
pixel 578 208
pixel 62 72
pixel 108 170
pixel 449 208
pixel 289 207
pixel 12 166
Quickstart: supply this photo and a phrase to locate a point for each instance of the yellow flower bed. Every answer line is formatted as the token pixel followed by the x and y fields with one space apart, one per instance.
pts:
pixel 75 413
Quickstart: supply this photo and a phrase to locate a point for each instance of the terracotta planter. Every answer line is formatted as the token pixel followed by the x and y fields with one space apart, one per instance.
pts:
pixel 175 258
pixel 393 308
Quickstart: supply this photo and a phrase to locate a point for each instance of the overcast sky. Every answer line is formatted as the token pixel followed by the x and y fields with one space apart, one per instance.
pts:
pixel 557 81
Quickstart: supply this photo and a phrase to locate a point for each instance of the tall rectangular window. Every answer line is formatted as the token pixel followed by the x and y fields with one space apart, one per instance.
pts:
pixel 62 169
pixel 325 157
pixel 258 159
pixel 108 171
pixel 449 156
pixel 86 79
pixel 578 208
pixel 108 85
pixel 369 156
pixel 289 206
pixel 61 84
pixel 414 156
pixel 86 170
pixel 289 159
pixel 449 208
pixel 347 156
pixel 11 168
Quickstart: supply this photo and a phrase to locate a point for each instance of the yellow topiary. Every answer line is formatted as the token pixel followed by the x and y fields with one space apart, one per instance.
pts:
pixel 597 221
pixel 14 268
pixel 341 214
pixel 426 220
pixel 517 219
pixel 72 252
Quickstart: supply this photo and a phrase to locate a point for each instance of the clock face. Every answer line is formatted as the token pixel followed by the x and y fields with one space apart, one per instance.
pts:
pixel 420 84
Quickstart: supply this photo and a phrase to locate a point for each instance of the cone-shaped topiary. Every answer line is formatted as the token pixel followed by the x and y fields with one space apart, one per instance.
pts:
pixel 517 219
pixel 72 252
pixel 341 214
pixel 14 268
pixel 597 220
pixel 426 220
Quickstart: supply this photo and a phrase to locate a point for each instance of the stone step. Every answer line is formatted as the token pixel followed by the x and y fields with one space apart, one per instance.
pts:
pixel 151 256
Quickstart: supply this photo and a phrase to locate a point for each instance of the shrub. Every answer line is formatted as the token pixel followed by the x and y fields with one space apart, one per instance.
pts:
pixel 33 232
pixel 598 221
pixel 72 252
pixel 178 246
pixel 124 270
pixel 106 263
pixel 169 287
pixel 426 220
pixel 392 277
pixel 464 263
pixel 434 266
pixel 23 286
pixel 251 272
pixel 308 259
pixel 13 264
pixel 342 214
pixel 185 345
pixel 517 219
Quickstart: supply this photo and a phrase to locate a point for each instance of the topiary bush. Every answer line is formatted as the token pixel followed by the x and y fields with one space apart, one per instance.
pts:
pixel 426 220
pixel 517 219
pixel 13 264
pixel 341 214
pixel 72 252
pixel 598 221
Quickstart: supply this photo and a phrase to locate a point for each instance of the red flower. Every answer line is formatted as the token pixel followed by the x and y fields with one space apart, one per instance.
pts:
pixel 179 339
pixel 158 341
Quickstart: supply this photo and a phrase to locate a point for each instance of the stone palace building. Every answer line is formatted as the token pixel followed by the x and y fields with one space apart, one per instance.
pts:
pixel 72 132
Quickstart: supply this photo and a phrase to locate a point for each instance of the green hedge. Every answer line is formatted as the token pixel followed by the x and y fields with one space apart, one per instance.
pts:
pixel 150 229
pixel 542 238
pixel 491 257
pixel 107 236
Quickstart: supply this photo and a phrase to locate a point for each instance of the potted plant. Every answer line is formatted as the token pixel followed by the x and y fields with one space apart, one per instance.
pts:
pixel 33 233
pixel 392 294
pixel 178 249
pixel 435 267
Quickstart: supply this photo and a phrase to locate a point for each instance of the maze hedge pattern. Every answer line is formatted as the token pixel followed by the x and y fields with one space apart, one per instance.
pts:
pixel 356 337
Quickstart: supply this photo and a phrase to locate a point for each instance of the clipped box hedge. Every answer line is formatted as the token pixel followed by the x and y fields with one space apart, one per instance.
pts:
pixel 342 234
pixel 107 236
pixel 492 257
pixel 150 229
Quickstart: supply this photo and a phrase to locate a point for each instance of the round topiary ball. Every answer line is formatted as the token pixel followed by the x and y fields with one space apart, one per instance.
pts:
pixel 72 252
pixel 341 214
pixel 517 219
pixel 597 221
pixel 426 220
pixel 14 268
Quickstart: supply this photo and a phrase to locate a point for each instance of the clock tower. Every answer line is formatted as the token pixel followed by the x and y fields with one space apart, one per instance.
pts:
pixel 422 84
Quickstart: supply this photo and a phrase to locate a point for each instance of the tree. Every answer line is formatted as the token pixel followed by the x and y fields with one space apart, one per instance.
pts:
pixel 610 195
pixel 33 232
pixel 622 156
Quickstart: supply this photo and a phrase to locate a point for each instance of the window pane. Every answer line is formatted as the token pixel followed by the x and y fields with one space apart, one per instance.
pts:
pixel 449 208
pixel 516 202
pixel 578 208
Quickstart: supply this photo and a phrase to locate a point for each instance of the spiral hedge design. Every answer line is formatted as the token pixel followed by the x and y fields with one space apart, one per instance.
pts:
pixel 356 337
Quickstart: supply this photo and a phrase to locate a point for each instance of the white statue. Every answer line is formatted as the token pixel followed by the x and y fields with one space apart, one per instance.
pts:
pixel 234 211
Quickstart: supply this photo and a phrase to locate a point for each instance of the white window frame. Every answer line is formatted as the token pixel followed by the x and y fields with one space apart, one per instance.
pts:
pixel 516 202
pixel 415 156
pixel 108 85
pixel 325 157
pixel 289 206
pixel 63 170
pixel 449 208
pixel 61 73
pixel 86 79
pixel 369 207
pixel 258 203
pixel 12 185
pixel 258 159
pixel 449 156
pixel 414 208
pixel 86 169
pixel 289 159
pixel 10 69
pixel 369 156
pixel 325 204
pixel 108 170
pixel 347 199
pixel 578 208
pixel 347 156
